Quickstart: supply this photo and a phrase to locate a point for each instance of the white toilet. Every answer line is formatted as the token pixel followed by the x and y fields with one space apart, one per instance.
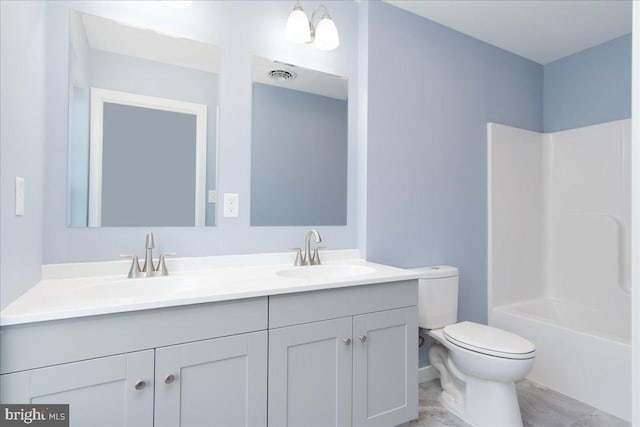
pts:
pixel 478 364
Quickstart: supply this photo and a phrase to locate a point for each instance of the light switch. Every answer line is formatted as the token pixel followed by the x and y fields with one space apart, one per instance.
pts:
pixel 212 196
pixel 19 196
pixel 231 207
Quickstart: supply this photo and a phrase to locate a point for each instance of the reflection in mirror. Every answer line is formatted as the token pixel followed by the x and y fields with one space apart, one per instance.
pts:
pixel 142 127
pixel 298 147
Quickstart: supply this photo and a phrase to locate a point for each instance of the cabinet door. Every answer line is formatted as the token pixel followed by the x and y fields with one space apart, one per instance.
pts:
pixel 385 367
pixel 100 392
pixel 310 374
pixel 217 382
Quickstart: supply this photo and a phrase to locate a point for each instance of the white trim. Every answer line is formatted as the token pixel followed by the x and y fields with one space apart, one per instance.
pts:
pixel 635 214
pixel 427 373
pixel 216 163
pixel 95 160
pixel 489 224
pixel 98 98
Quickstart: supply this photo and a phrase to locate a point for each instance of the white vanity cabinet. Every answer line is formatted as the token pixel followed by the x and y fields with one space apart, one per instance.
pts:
pixel 163 373
pixel 351 369
pixel 343 356
pixel 220 382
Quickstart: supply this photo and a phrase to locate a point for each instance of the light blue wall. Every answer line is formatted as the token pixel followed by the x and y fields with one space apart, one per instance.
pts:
pixel 78 175
pixel 431 93
pixel 298 158
pixel 22 137
pixel 362 103
pixel 79 112
pixel 589 87
pixel 241 30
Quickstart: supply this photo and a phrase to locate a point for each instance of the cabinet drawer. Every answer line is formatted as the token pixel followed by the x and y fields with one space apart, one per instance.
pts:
pixel 305 307
pixel 39 344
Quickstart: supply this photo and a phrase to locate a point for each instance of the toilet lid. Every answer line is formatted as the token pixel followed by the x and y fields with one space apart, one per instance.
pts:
pixel 487 340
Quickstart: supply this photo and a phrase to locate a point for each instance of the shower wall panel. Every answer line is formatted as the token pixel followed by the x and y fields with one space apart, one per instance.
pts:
pixel 516 212
pixel 587 221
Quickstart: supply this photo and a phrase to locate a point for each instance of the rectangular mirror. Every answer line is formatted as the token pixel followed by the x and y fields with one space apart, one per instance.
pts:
pixel 299 146
pixel 142 127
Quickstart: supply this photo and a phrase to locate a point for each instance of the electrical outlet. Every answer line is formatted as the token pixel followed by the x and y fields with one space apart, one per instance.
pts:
pixel 231 206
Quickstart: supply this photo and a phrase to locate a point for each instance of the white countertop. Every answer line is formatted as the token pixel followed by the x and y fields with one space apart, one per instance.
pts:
pixel 88 289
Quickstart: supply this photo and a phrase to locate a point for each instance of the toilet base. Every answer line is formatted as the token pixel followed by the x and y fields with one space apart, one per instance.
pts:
pixel 491 404
pixel 485 404
pixel 479 402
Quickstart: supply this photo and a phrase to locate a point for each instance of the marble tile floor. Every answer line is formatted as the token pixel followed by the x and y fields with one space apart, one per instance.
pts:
pixel 540 406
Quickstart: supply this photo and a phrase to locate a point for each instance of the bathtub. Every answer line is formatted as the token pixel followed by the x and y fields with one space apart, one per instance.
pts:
pixel 582 352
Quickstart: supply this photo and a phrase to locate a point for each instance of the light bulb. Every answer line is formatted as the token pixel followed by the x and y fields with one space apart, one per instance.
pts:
pixel 298 28
pixel 327 34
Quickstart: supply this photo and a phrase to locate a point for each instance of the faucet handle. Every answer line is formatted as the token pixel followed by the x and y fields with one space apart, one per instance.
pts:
pixel 299 258
pixel 315 259
pixel 135 265
pixel 162 266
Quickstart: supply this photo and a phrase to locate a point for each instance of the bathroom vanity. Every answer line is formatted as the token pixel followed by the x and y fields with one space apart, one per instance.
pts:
pixel 243 345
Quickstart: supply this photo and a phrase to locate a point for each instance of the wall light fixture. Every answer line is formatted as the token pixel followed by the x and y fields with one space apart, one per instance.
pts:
pixel 301 30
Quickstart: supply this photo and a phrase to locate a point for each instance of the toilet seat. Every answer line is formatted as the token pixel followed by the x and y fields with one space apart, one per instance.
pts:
pixel 489 341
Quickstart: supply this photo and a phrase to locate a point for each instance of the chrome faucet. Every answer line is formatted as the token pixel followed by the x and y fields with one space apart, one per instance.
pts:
pixel 311 259
pixel 308 258
pixel 148 269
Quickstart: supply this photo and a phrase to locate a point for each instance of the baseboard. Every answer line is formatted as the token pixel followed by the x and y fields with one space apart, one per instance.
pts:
pixel 427 373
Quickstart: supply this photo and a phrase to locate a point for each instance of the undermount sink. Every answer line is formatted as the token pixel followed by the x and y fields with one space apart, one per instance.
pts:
pixel 326 271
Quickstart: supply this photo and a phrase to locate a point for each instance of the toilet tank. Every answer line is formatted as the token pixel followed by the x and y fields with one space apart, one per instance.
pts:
pixel 437 296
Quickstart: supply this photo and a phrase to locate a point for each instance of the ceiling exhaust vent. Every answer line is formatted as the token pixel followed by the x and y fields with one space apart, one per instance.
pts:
pixel 282 75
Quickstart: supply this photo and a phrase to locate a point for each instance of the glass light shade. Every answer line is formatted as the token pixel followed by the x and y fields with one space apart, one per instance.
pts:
pixel 298 29
pixel 327 34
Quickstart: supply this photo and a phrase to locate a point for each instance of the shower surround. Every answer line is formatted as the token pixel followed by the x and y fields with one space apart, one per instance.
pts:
pixel 558 265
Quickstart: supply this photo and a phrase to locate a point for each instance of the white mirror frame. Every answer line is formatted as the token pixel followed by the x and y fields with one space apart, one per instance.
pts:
pixel 98 98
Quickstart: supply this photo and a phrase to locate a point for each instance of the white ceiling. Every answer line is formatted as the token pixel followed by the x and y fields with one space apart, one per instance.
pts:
pixel 110 36
pixel 540 30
